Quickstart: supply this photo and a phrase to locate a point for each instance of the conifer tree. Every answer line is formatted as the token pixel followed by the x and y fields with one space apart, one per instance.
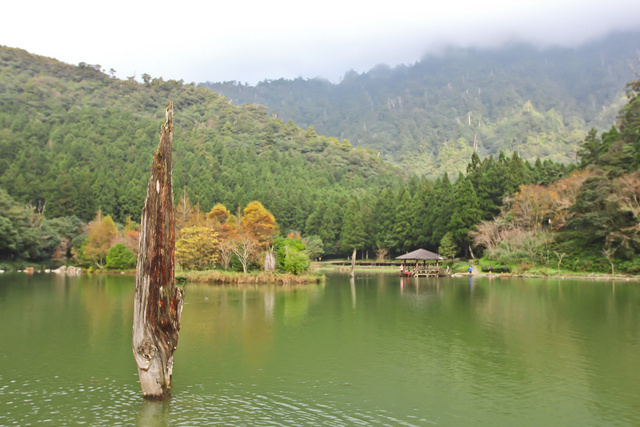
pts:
pixel 403 229
pixel 423 205
pixel 465 214
pixel 443 209
pixel 448 247
pixel 353 236
pixel 330 228
pixel 385 215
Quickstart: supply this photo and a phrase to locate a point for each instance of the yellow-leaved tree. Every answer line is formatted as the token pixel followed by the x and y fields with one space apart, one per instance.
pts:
pixel 102 235
pixel 197 247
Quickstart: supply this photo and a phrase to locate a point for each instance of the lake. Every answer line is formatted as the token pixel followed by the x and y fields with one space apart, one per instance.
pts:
pixel 376 350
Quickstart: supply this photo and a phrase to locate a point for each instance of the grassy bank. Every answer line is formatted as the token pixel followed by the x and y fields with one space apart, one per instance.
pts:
pixel 236 278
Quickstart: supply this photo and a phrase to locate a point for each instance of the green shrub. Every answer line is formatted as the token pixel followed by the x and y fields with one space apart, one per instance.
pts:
pixel 291 255
pixel 495 268
pixel 120 258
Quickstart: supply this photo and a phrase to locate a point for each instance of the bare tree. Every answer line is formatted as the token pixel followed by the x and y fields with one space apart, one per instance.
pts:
pixel 608 254
pixel 244 247
pixel 381 253
pixel 560 256
pixel 225 251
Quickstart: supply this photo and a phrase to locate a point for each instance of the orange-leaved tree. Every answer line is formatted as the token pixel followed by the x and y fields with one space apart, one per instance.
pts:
pixel 253 234
pixel 219 213
pixel 259 223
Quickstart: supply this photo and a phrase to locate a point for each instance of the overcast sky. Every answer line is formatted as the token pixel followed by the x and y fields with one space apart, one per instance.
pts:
pixel 250 40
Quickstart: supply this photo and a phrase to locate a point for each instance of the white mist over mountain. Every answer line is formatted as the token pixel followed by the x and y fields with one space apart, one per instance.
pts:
pixel 250 41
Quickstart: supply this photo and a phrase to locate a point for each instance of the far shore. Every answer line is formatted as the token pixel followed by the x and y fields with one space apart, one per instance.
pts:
pixel 563 275
pixel 250 278
pixel 315 276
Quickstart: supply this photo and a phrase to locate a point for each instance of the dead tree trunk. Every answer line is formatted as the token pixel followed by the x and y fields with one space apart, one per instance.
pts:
pixel 158 301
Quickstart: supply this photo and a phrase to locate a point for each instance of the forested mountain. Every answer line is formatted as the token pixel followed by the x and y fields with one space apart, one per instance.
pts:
pixel 74 139
pixel 76 145
pixel 430 116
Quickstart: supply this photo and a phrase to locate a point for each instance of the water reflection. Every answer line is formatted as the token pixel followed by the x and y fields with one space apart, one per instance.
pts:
pixel 379 349
pixel 353 291
pixel 154 413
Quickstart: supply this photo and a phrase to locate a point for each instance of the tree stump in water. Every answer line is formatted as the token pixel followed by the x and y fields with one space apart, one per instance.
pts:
pixel 158 301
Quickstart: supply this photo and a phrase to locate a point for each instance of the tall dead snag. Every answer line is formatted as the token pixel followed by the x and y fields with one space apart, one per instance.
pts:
pixel 158 301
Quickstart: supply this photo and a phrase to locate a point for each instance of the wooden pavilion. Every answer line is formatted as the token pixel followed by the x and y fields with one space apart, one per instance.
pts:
pixel 430 266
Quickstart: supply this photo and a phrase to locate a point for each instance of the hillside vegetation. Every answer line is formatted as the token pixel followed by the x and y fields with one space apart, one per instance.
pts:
pixel 76 147
pixel 73 139
pixel 430 116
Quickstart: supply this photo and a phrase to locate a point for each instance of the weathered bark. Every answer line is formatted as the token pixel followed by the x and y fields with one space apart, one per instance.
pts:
pixel 158 301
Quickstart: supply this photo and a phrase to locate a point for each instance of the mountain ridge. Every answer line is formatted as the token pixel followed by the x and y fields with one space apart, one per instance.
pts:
pixel 430 116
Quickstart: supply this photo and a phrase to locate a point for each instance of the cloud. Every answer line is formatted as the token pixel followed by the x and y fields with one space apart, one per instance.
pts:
pixel 251 40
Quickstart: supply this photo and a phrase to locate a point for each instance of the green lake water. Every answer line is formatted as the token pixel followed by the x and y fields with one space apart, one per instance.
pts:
pixel 379 350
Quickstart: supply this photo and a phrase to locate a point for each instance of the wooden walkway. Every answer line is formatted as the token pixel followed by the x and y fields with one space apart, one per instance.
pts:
pixel 424 272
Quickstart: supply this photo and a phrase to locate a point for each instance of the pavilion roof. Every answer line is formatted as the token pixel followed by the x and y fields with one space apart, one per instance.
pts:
pixel 421 254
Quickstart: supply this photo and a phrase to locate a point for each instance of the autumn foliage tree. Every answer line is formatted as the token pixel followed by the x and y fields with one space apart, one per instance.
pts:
pixel 259 223
pixel 219 213
pixel 103 234
pixel 197 247
pixel 217 236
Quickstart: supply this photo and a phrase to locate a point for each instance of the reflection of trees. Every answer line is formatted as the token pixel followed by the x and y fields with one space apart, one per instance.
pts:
pixel 568 338
pixel 72 319
pixel 241 320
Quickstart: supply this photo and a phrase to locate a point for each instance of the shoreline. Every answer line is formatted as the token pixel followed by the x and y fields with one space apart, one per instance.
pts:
pixel 594 276
pixel 252 278
pixel 315 276
pixel 565 276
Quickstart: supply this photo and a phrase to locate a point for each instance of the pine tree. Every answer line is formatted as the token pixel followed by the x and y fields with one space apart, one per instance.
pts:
pixel 443 209
pixel 353 236
pixel 403 229
pixel 423 204
pixel 466 213
pixel 448 247
pixel 385 216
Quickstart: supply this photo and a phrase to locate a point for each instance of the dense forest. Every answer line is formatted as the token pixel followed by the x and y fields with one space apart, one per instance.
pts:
pixel 75 141
pixel 430 116
pixel 76 147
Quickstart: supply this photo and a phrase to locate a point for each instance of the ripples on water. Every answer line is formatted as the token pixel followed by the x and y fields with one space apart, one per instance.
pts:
pixel 109 403
pixel 376 351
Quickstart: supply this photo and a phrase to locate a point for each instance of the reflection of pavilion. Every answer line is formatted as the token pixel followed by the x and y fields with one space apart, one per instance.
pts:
pixel 426 263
